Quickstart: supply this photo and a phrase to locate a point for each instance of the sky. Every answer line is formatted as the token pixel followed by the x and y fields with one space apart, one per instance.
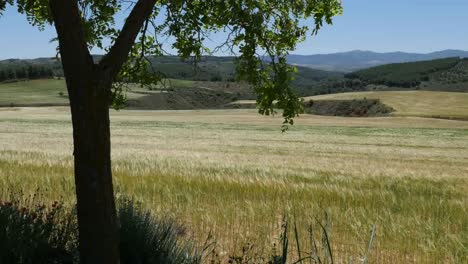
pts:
pixel 420 26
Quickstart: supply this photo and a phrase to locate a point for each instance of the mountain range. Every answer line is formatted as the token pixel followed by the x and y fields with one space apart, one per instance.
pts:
pixel 339 62
pixel 358 59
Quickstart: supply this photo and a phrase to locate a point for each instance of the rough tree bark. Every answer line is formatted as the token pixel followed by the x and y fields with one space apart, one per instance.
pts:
pixel 89 102
pixel 89 89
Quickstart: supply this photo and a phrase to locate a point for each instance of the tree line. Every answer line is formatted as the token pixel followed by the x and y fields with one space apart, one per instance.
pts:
pixel 27 72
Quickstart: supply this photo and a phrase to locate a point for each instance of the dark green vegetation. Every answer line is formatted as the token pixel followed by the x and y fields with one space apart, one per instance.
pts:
pixel 450 74
pixel 196 95
pixel 48 234
pixel 351 108
pixel 35 235
pixel 12 70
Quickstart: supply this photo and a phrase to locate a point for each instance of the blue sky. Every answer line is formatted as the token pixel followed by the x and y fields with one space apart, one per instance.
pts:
pixel 376 25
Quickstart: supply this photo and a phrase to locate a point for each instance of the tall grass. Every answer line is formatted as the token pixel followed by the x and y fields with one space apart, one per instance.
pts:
pixel 236 181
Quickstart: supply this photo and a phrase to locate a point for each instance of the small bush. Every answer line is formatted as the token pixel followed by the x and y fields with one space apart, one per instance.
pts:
pixel 349 108
pixel 42 234
pixel 216 78
pixel 48 234
pixel 145 239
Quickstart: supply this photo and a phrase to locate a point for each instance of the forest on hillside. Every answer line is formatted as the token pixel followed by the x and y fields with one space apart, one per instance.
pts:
pixel 26 71
pixel 450 74
pixel 413 74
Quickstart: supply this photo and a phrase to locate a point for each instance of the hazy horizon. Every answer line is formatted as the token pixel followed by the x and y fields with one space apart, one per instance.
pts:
pixel 294 54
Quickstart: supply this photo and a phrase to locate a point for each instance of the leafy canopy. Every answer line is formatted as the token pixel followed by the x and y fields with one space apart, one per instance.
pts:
pixel 259 32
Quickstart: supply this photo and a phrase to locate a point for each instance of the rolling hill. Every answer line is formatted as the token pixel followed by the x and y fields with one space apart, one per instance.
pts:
pixel 210 69
pixel 450 74
pixel 211 84
pixel 180 94
pixel 357 59
pixel 430 104
pixel 175 94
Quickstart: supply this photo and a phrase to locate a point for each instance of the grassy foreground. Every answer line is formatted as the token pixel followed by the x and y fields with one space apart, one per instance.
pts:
pixel 235 174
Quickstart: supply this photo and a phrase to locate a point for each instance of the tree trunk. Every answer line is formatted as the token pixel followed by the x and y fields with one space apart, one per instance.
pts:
pixel 89 89
pixel 97 221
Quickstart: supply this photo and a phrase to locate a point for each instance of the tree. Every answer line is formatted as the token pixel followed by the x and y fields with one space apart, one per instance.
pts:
pixel 257 29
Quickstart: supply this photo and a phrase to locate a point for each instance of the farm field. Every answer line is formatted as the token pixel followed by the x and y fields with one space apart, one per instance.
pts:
pixel 53 92
pixel 447 105
pixel 36 92
pixel 413 103
pixel 47 92
pixel 234 174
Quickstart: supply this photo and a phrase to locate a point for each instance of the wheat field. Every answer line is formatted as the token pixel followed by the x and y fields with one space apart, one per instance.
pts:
pixel 232 173
pixel 413 103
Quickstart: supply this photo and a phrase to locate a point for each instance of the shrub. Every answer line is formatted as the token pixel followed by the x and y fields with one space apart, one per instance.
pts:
pixel 144 239
pixel 48 234
pixel 42 234
pixel 216 78
pixel 351 108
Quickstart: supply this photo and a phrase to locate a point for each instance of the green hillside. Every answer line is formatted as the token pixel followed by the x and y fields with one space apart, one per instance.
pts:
pixel 449 74
pixel 35 92
pixel 211 84
pixel 222 69
pixel 174 94
pixel 209 69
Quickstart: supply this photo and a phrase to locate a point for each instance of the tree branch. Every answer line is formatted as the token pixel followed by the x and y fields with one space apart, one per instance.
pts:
pixel 113 61
pixel 72 43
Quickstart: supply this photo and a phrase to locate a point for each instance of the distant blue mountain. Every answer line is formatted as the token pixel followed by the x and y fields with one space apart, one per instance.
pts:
pixel 357 59
pixel 341 62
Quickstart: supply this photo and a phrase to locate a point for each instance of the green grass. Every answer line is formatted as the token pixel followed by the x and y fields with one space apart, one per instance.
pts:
pixel 34 92
pixel 235 174
pixel 47 91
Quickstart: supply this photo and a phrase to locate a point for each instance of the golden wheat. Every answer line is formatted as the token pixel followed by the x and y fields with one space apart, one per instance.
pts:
pixel 235 174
